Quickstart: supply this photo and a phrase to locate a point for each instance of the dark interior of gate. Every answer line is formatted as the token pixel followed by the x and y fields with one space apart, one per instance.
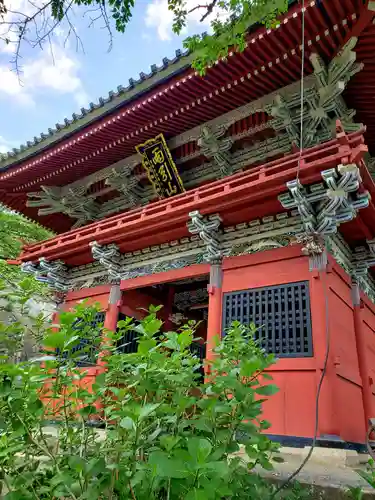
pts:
pixel 182 302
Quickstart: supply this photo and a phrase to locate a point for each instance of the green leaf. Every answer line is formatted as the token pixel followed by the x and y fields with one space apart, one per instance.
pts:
pixel 18 495
pixel 55 340
pixel 76 462
pixel 185 339
pixel 127 423
pixel 145 346
pixel 96 466
pixel 72 342
pixel 221 468
pixel 169 442
pixel 249 366
pixel 199 449
pixel 164 466
pixel 147 410
pixel 267 390
pixel 197 494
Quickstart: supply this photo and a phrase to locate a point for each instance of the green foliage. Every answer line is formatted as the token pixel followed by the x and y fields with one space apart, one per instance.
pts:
pixel 230 21
pixel 21 325
pixel 369 476
pixel 16 230
pixel 229 30
pixel 164 435
pixel 14 282
pixel 15 287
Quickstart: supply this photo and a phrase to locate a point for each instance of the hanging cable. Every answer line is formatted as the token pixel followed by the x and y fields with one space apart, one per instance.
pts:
pixel 302 88
pixel 318 392
pixel 321 273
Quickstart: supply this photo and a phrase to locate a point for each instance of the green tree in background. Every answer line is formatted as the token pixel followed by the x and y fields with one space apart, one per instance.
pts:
pixel 16 230
pixel 34 23
pixel 19 293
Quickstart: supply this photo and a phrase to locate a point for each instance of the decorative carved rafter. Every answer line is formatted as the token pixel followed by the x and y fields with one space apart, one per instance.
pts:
pixel 54 273
pixel 216 147
pixel 248 237
pixel 109 257
pixel 208 230
pixel 356 263
pixel 323 105
pixel 184 300
pixel 123 180
pixel 71 201
pixel 324 207
pixel 110 265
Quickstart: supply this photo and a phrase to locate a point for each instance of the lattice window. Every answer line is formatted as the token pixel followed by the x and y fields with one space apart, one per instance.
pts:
pixel 199 350
pixel 128 343
pixel 88 357
pixel 281 313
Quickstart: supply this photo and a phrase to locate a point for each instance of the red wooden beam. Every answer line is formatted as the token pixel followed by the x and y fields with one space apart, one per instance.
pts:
pixel 166 277
pixel 248 188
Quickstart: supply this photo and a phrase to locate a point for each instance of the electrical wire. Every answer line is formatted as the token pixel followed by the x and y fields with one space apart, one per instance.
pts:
pixel 302 87
pixel 370 450
pixel 317 399
pixel 325 287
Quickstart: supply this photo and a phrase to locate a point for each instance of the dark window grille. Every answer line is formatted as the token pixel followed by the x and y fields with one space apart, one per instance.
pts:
pixel 88 357
pixel 281 313
pixel 199 350
pixel 128 343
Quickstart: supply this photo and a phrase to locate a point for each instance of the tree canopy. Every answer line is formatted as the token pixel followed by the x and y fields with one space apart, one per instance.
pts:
pixel 16 230
pixel 229 21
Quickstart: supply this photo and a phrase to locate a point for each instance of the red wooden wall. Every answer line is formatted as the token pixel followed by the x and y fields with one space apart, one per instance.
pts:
pixel 286 411
pixel 342 411
pixel 292 411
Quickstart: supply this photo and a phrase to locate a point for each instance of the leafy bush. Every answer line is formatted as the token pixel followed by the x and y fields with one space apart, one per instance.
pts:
pixel 164 434
pixel 369 476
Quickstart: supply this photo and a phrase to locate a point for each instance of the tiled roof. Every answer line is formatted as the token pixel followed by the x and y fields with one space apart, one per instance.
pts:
pixel 105 105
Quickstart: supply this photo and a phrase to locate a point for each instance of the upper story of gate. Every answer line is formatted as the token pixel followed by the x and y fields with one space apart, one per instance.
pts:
pixel 244 112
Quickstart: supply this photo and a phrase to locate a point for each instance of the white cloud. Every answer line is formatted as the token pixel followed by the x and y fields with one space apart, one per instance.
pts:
pixel 6 145
pixel 14 8
pixel 10 86
pixel 158 16
pixel 52 70
pixel 55 68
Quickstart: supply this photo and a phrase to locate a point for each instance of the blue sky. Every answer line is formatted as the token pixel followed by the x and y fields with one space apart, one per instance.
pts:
pixel 59 80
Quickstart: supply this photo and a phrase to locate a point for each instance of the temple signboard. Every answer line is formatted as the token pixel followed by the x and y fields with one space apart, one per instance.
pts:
pixel 160 167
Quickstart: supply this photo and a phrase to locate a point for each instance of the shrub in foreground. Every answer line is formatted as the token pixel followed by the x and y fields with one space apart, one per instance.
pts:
pixel 164 433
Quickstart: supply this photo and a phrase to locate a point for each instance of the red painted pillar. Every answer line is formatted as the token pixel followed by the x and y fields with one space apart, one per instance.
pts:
pixel 168 310
pixel 214 308
pixel 111 316
pixel 110 324
pixel 367 383
pixel 328 421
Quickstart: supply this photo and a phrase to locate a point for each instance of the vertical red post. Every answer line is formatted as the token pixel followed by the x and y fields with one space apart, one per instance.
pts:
pixel 214 308
pixel 360 338
pixel 168 310
pixel 328 421
pixel 110 324
pixel 111 316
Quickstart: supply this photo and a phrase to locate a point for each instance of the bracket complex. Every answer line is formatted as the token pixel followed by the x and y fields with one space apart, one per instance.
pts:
pixel 55 273
pixel 208 230
pixel 323 207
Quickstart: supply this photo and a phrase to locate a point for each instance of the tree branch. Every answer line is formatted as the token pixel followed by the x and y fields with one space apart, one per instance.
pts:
pixel 209 8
